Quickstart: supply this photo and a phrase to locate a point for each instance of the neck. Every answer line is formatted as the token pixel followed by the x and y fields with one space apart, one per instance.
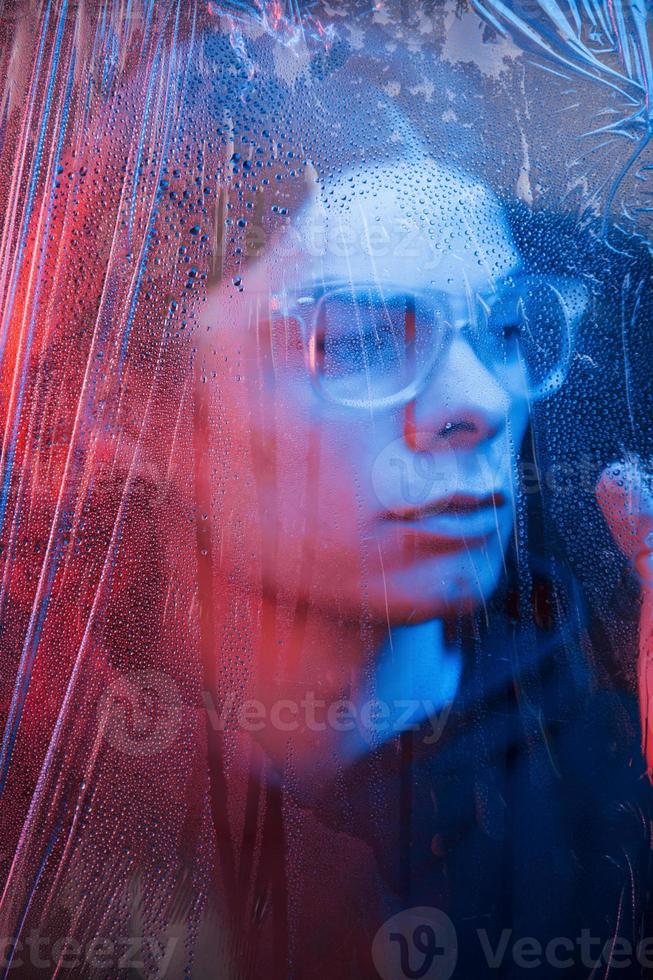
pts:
pixel 415 678
pixel 301 650
pixel 328 689
pixel 415 663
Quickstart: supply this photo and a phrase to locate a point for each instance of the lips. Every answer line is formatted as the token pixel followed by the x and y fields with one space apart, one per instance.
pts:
pixel 450 524
pixel 457 504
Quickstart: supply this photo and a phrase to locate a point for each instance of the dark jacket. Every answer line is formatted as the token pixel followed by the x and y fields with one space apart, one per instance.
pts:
pixel 527 824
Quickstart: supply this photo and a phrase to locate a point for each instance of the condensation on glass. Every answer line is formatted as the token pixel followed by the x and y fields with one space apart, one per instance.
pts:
pixel 325 488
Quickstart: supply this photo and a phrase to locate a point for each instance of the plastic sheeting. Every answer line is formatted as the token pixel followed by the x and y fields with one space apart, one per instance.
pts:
pixel 325 509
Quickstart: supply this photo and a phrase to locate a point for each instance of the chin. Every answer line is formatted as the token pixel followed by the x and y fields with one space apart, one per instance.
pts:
pixel 452 585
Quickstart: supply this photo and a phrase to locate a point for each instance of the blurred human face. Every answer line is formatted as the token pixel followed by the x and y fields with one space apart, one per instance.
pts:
pixel 399 510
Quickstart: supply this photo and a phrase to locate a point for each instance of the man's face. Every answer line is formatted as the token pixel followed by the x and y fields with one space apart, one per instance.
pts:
pixel 357 501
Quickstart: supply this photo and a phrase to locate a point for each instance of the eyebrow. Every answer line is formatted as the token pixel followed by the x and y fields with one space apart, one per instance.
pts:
pixel 313 292
pixel 390 290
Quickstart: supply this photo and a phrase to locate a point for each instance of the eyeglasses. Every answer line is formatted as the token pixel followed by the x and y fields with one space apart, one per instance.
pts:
pixel 377 346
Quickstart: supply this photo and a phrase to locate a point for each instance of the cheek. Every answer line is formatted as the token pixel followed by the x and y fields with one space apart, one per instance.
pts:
pixel 321 468
pixel 324 486
pixel 518 418
pixel 295 467
pixel 517 425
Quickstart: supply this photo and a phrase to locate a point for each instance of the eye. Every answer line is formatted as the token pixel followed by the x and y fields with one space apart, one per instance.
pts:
pixel 512 330
pixel 507 321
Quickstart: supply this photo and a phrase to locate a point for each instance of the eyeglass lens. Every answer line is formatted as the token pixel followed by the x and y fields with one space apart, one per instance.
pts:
pixel 370 344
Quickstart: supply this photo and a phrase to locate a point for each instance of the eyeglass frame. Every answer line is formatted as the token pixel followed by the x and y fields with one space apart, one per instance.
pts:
pixel 412 391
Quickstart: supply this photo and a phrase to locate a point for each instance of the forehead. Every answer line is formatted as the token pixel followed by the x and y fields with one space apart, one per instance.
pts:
pixel 415 224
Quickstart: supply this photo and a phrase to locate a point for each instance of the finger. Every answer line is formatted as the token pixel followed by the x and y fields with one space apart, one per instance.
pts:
pixel 625 495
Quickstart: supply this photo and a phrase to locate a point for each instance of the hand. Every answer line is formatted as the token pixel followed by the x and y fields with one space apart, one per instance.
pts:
pixel 625 495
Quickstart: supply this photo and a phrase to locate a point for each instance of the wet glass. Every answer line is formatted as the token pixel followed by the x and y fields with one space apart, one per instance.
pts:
pixel 326 489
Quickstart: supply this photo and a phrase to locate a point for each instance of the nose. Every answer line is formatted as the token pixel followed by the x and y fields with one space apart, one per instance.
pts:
pixel 462 406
